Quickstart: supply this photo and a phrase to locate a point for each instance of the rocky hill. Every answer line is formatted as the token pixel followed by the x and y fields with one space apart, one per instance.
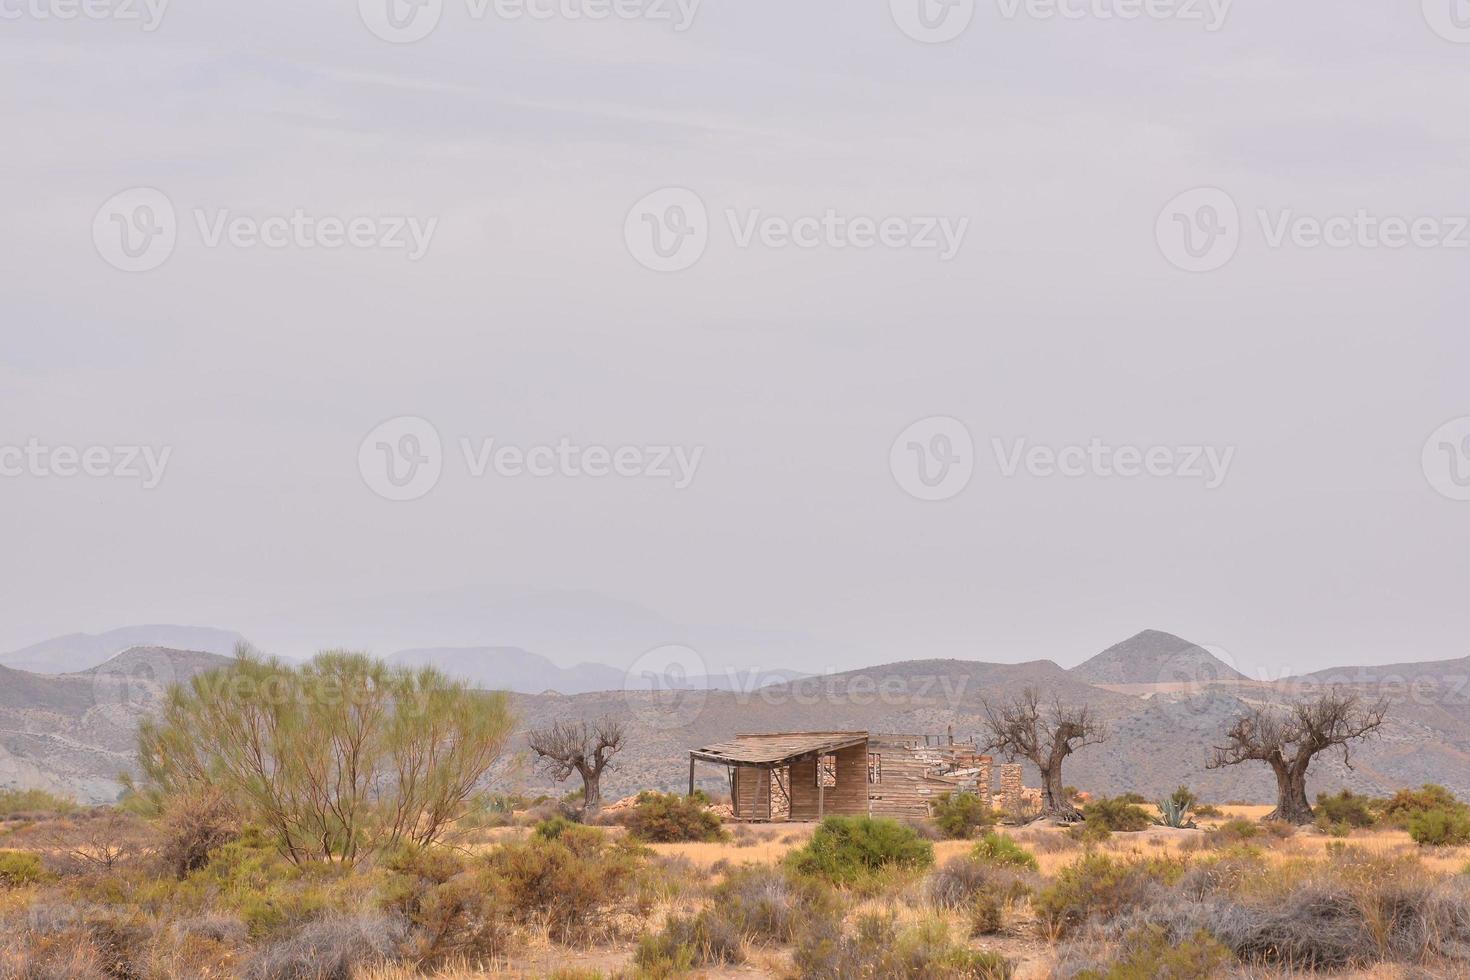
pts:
pixel 1155 657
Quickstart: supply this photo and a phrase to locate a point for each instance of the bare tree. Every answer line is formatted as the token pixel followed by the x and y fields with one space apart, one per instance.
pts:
pixel 586 748
pixel 1044 736
pixel 1287 738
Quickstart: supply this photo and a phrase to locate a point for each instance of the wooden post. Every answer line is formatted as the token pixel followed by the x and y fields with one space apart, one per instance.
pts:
pixel 691 775
pixel 821 790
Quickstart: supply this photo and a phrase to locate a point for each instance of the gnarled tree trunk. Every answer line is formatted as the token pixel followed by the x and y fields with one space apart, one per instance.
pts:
pixel 1054 802
pixel 1291 794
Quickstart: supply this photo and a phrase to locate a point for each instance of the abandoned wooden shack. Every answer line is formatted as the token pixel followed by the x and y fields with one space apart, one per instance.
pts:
pixel 810 775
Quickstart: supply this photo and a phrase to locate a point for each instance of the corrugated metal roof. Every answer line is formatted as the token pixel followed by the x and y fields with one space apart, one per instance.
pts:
pixel 777 746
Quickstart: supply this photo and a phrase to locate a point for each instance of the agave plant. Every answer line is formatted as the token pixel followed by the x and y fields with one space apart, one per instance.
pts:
pixel 1174 814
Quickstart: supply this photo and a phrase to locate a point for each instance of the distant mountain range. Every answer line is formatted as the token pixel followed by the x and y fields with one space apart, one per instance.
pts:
pixel 81 651
pixel 74 732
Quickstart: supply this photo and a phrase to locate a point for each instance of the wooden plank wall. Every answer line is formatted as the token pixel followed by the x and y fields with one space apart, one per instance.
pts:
pixel 849 797
pixel 904 791
pixel 751 796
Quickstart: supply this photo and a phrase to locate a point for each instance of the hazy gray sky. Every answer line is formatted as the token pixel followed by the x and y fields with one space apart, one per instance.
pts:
pixel 1062 319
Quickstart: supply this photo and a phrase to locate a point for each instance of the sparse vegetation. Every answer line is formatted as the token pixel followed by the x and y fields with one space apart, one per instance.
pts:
pixel 667 817
pixel 848 849
pixel 961 815
pixel 1117 815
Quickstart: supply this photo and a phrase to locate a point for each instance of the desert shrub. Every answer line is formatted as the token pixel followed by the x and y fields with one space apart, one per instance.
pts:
pixel 31 804
pixel 195 825
pixel 334 948
pixel 1149 953
pixel 669 817
pixel 1100 887
pixel 1002 849
pixel 960 880
pixel 987 915
pixel 768 904
pixel 95 841
pixel 60 955
pixel 447 914
pixel 18 868
pixel 1239 830
pixel 1090 832
pixel 553 827
pixel 961 815
pixel 686 942
pixel 1208 811
pixel 1343 813
pixel 1120 814
pixel 1440 828
pixel 1400 808
pixel 846 849
pixel 876 947
pixel 925 828
pixel 572 884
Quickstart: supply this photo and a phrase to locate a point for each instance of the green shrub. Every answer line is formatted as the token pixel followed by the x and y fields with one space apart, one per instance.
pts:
pixel 1120 815
pixel 1149 953
pixel 668 817
pixel 1001 849
pixel 847 849
pixel 448 915
pixel 1090 832
pixel 876 947
pixel 1404 805
pixel 33 802
pixel 572 884
pixel 1440 828
pixel 1341 814
pixel 986 915
pixel 19 868
pixel 960 815
pixel 686 942
pixel 770 904
pixel 1184 797
pixel 1100 887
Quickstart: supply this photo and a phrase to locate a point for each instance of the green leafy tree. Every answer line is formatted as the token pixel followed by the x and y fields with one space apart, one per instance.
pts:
pixel 335 759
